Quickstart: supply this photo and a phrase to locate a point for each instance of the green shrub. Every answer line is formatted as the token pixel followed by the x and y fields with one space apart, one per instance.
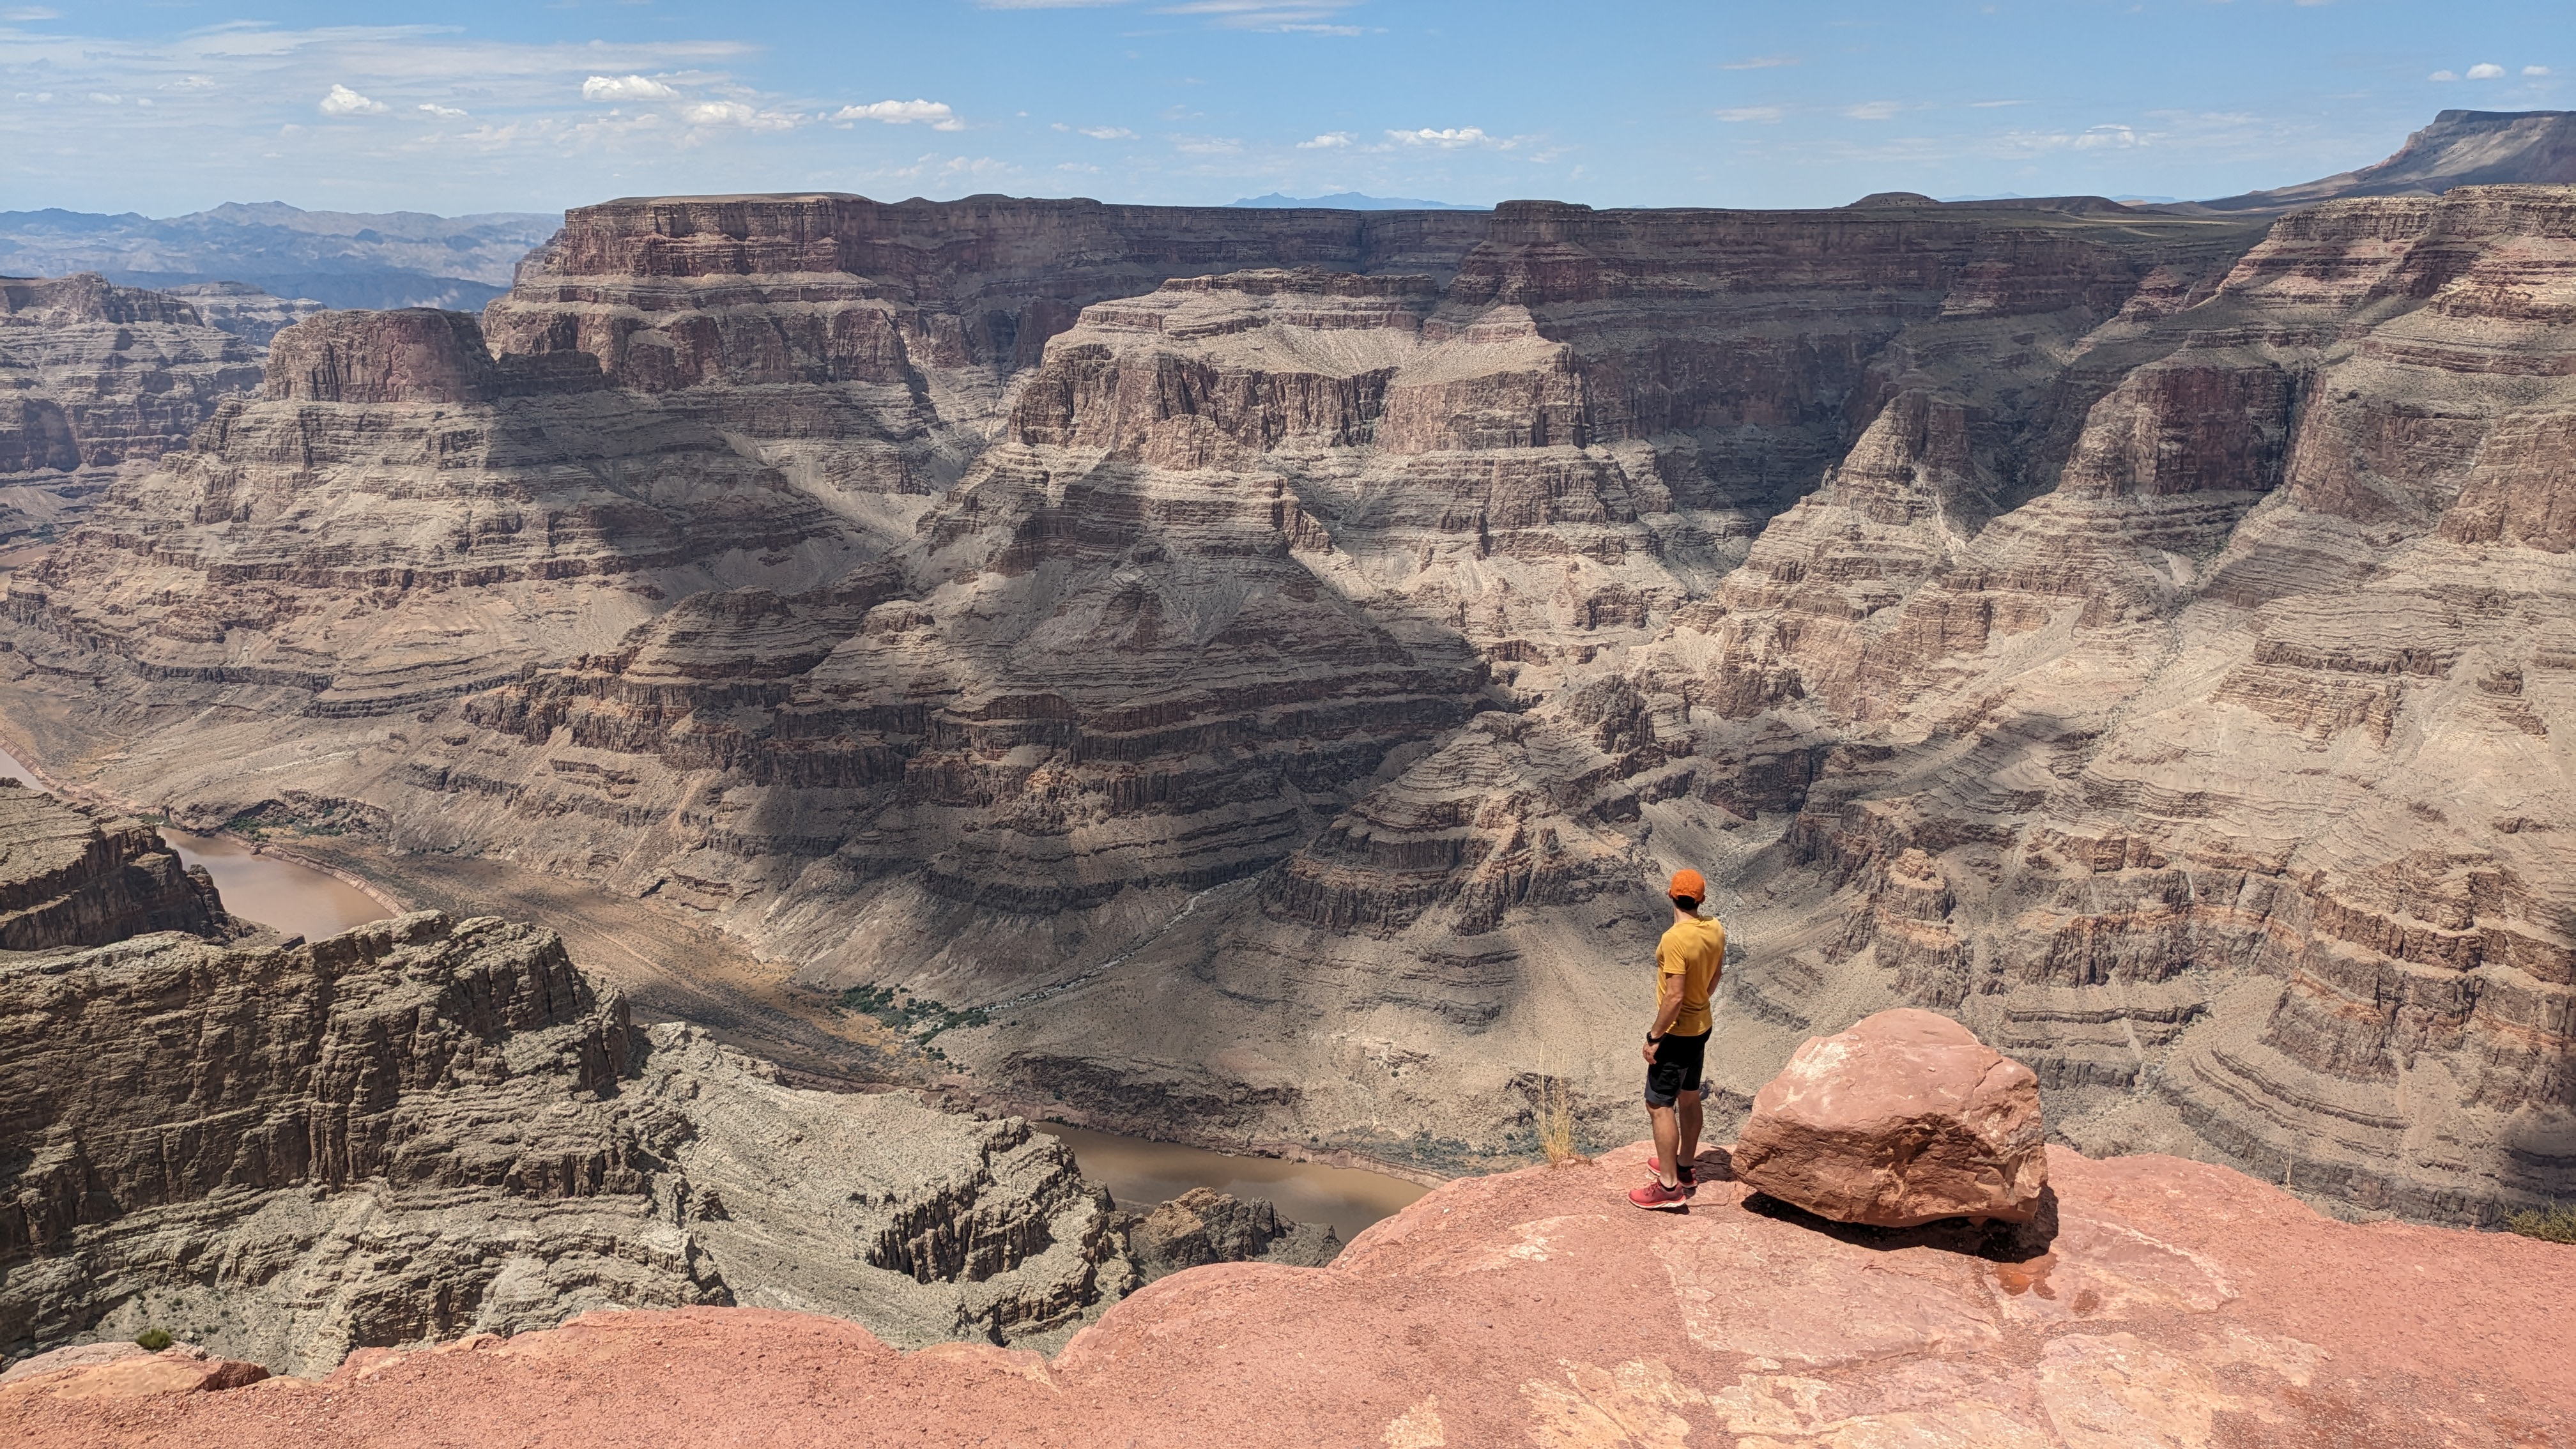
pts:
pixel 2557 1225
pixel 918 1018
pixel 152 1339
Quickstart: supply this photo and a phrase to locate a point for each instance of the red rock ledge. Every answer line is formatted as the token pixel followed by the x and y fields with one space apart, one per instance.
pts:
pixel 2178 1305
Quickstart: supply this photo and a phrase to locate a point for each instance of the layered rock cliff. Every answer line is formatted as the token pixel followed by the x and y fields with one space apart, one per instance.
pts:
pixel 70 879
pixel 423 1128
pixel 2161 1303
pixel 94 376
pixel 2128 633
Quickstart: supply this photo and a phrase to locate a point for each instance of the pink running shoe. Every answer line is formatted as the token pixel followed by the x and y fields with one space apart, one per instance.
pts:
pixel 1656 1195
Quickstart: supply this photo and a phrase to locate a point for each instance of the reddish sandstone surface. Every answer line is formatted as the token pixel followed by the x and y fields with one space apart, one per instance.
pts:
pixel 2176 1304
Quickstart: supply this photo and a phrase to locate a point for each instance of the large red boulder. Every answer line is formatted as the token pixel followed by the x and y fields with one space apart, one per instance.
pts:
pixel 1903 1119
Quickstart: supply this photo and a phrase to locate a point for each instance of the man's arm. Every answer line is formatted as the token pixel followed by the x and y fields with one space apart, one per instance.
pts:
pixel 1668 1005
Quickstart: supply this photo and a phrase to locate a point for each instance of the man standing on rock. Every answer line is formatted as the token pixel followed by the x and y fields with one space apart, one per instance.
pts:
pixel 1688 962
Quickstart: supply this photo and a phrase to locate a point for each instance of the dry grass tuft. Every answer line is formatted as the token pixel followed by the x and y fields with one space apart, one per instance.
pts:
pixel 1556 1122
pixel 2557 1225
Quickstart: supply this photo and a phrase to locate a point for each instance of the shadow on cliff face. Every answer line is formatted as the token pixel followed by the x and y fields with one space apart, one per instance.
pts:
pixel 1996 1242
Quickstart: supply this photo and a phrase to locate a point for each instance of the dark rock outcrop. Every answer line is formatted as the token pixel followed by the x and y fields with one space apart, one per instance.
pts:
pixel 1204 1226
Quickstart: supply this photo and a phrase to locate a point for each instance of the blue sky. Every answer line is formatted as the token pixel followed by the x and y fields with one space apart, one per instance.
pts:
pixel 478 106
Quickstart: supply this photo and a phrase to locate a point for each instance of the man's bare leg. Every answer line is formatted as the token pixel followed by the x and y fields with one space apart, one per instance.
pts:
pixel 1690 1116
pixel 1668 1135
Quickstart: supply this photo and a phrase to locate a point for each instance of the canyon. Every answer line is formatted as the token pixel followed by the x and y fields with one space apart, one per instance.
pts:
pixel 1252 667
pixel 425 1127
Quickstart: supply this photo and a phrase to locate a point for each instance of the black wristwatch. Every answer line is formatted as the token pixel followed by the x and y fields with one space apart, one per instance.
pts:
pixel 1651 1038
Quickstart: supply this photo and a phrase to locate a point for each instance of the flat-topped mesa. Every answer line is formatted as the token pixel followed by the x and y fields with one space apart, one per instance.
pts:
pixel 70 879
pixel 409 355
pixel 683 292
pixel 88 297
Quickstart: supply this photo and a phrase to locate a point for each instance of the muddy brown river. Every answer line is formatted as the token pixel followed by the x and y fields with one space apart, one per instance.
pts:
pixel 301 900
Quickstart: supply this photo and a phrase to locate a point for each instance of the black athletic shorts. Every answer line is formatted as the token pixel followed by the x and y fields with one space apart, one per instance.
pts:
pixel 1676 1070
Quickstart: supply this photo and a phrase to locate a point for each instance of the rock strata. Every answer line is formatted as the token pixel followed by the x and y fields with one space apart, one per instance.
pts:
pixel 95 377
pixel 2176 1304
pixel 1902 1119
pixel 70 879
pixel 423 1128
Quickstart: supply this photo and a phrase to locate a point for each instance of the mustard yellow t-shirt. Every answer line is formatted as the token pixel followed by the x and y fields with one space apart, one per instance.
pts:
pixel 1696 952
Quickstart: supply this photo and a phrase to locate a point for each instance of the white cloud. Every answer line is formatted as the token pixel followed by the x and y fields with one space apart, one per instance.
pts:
pixel 718 113
pixel 444 113
pixel 1329 141
pixel 1759 62
pixel 904 113
pixel 1765 114
pixel 1310 17
pixel 1449 140
pixel 342 101
pixel 1109 133
pixel 1207 145
pixel 30 12
pixel 104 99
pixel 2443 75
pixel 2535 70
pixel 2096 137
pixel 1874 111
pixel 2485 70
pixel 2108 136
pixel 1990 105
pixel 625 88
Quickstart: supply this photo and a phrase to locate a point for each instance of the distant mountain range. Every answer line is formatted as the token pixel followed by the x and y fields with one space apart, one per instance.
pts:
pixel 340 258
pixel 2460 148
pixel 1353 201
